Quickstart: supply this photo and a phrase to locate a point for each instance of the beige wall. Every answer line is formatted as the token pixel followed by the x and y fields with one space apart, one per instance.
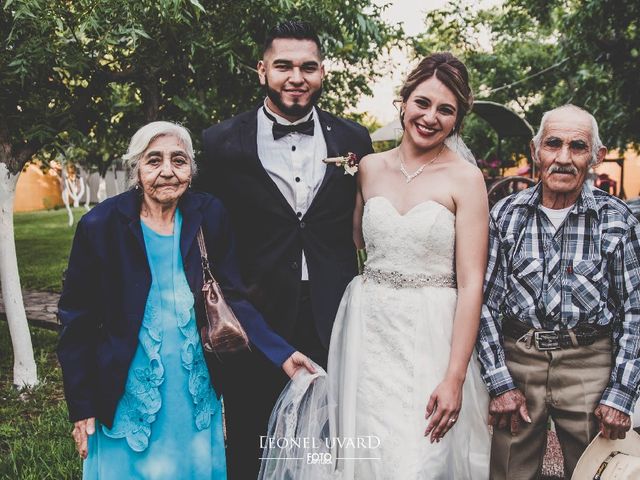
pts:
pixel 37 190
pixel 631 172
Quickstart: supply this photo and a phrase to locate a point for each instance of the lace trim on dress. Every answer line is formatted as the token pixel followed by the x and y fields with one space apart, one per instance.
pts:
pixel 192 357
pixel 141 400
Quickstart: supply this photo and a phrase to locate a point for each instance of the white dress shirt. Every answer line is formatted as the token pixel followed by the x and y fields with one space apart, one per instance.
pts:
pixel 294 162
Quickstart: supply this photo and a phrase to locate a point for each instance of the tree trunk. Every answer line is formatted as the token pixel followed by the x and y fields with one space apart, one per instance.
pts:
pixel 78 191
pixel 102 189
pixel 66 195
pixel 87 188
pixel 87 195
pixel 115 179
pixel 24 365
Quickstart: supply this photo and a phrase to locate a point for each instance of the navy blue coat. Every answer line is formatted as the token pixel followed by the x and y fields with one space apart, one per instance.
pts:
pixel 105 293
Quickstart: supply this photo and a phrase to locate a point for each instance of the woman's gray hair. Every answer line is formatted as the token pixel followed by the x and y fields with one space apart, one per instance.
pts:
pixel 147 134
pixel 596 143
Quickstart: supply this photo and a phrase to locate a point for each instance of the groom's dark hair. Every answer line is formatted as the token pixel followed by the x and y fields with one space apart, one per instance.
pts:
pixel 292 29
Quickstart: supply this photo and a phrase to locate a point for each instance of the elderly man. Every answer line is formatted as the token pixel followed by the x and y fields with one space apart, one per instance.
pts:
pixel 560 327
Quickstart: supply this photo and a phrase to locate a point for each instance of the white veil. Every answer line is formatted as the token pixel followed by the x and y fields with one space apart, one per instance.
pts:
pixel 457 145
pixel 297 446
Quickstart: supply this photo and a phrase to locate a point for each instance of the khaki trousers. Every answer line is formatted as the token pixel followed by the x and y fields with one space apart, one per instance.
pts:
pixel 565 384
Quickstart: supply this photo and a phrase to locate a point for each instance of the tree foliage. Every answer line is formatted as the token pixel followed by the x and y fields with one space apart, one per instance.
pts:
pixel 534 55
pixel 90 72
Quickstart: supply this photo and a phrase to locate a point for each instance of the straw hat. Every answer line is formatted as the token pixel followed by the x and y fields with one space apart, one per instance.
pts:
pixel 600 458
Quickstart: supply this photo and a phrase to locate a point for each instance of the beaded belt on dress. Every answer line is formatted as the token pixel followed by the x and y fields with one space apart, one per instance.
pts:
pixel 400 280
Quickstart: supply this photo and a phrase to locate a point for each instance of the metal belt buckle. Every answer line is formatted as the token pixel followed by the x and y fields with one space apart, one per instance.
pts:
pixel 546 340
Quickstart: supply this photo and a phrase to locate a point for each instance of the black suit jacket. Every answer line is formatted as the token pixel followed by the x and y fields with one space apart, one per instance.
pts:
pixel 270 237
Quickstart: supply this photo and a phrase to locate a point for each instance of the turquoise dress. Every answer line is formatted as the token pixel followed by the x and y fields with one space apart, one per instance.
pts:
pixel 168 423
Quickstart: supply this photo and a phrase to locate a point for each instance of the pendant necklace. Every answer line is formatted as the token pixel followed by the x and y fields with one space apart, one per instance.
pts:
pixel 411 176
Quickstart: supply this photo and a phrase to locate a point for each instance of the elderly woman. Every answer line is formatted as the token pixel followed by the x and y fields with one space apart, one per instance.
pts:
pixel 144 398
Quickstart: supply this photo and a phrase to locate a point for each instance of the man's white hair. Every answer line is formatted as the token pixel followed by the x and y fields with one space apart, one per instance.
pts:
pixel 147 134
pixel 596 143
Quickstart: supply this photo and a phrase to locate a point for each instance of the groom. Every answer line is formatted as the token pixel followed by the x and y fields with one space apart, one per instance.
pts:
pixel 292 215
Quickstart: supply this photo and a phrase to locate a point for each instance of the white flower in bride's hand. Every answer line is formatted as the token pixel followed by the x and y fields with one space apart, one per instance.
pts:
pixel 349 162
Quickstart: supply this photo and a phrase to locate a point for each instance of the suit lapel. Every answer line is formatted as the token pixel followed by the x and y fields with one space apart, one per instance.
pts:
pixel 328 130
pixel 248 137
pixel 249 141
pixel 333 150
pixel 136 231
pixel 129 207
pixel 191 221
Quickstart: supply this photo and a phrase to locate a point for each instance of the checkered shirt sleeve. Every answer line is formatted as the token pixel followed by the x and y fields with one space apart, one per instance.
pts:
pixel 622 392
pixel 489 344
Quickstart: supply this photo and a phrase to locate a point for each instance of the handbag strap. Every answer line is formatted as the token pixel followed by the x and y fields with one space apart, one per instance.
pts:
pixel 206 270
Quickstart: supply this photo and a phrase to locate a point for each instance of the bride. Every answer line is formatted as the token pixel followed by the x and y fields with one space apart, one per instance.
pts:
pixel 406 400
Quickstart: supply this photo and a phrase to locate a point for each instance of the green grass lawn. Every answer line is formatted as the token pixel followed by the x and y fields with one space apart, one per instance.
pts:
pixel 35 439
pixel 43 242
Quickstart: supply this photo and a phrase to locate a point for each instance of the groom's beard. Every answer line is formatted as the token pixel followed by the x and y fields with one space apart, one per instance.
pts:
pixel 296 110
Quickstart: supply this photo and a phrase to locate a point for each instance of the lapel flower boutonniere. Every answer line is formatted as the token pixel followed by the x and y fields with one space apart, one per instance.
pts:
pixel 349 162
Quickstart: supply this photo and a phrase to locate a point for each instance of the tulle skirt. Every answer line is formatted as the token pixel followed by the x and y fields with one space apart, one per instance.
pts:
pixel 389 350
pixel 366 418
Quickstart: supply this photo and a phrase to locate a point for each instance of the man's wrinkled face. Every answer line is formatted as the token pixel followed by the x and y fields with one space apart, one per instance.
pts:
pixel 292 73
pixel 565 153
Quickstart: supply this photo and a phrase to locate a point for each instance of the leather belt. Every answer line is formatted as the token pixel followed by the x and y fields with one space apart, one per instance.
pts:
pixel 581 335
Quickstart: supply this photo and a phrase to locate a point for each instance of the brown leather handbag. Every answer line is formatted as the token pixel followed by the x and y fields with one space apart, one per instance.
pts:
pixel 223 332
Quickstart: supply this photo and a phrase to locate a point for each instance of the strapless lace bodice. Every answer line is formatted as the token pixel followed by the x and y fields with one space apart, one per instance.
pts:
pixel 419 242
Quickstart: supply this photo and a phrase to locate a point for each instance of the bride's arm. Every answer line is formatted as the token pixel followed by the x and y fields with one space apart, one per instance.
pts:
pixel 471 231
pixel 472 243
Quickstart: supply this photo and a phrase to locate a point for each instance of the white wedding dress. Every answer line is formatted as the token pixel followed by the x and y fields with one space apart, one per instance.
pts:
pixel 390 349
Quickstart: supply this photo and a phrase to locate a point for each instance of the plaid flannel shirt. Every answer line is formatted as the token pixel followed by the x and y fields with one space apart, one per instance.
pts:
pixel 588 271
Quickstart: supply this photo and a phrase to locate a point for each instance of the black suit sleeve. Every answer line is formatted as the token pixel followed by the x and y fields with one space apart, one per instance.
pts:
pixel 226 270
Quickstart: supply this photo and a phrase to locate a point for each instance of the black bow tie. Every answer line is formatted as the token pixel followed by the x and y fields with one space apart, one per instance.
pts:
pixel 280 130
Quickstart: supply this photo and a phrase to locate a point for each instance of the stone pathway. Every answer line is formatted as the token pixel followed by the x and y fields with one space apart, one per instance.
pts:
pixel 40 307
pixel 552 467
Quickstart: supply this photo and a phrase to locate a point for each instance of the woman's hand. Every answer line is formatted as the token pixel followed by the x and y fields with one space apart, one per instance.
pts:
pixel 443 408
pixel 81 429
pixel 296 361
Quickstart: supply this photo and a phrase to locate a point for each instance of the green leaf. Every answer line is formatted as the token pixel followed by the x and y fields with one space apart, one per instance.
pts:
pixel 198 5
pixel 142 33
